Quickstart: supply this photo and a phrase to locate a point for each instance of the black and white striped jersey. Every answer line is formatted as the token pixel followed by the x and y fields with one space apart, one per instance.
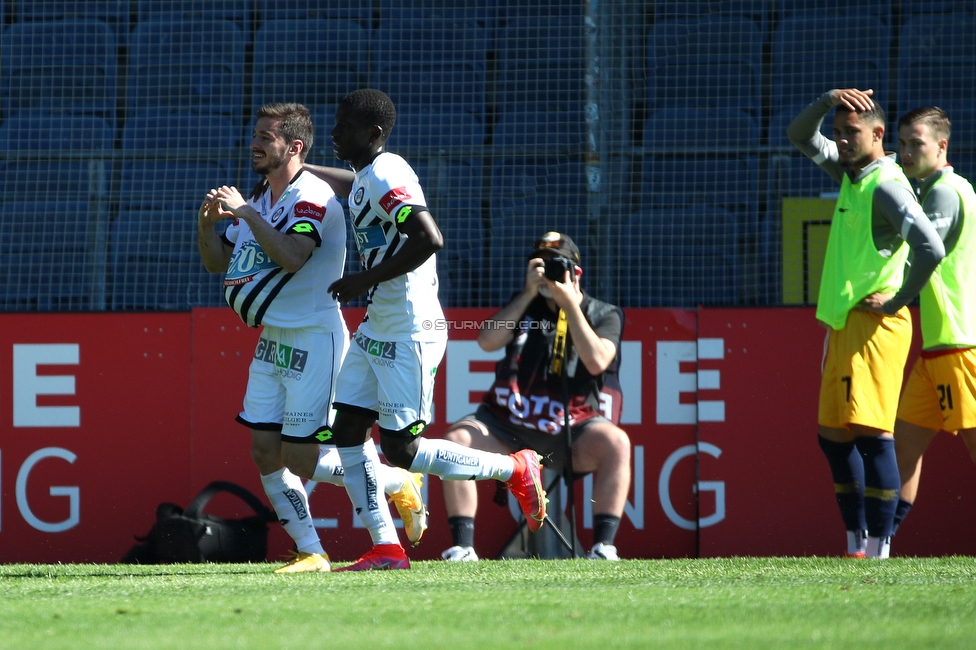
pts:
pixel 263 293
pixel 406 307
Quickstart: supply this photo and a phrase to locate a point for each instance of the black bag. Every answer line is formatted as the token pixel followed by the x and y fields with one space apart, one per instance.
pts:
pixel 191 536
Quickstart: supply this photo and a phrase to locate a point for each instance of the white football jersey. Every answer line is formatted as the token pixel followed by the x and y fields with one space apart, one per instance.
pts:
pixel 263 293
pixel 405 308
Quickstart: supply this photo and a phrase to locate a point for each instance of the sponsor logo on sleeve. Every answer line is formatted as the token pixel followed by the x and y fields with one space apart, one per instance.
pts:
pixel 393 198
pixel 306 210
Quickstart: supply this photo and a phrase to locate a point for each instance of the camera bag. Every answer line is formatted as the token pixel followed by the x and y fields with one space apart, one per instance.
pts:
pixel 192 536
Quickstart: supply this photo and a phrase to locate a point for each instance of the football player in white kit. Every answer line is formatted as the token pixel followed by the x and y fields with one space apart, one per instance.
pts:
pixel 285 245
pixel 388 374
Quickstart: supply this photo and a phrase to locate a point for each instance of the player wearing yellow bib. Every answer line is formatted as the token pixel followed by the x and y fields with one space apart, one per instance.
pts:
pixel 863 296
pixel 940 394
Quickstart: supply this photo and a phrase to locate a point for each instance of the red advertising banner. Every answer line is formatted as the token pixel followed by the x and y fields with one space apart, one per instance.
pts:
pixel 104 416
pixel 94 431
pixel 763 366
pixel 222 348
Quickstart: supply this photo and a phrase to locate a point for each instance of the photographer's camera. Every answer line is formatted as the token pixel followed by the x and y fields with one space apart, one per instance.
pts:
pixel 557 266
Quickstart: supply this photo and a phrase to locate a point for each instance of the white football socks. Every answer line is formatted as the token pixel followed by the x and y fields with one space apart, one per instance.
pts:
pixel 329 467
pixel 454 462
pixel 286 492
pixel 362 484
pixel 879 547
pixel 329 470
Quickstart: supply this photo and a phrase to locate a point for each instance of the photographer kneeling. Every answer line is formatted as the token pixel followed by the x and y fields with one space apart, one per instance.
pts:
pixel 549 328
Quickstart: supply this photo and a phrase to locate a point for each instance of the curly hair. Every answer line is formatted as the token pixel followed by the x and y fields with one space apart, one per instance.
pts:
pixel 373 106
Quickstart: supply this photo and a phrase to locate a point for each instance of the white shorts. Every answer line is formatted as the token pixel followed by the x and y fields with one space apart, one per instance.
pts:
pixel 392 380
pixel 291 380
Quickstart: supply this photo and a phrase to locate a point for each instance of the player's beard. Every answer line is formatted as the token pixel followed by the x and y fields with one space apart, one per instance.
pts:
pixel 268 164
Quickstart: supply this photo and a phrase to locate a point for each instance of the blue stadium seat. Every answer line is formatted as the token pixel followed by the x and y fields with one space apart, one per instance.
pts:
pixel 189 63
pixel 446 150
pixel 433 63
pixel 482 12
pixel 115 13
pixel 534 132
pixel 315 62
pixel 154 263
pixel 700 182
pixel 236 11
pixel 355 10
pixel 65 65
pixel 171 157
pixel 755 10
pixel 70 154
pixel 710 62
pixel 790 172
pixel 540 65
pixel 880 9
pixel 175 156
pixel 963 162
pixel 807 61
pixel 911 8
pixel 680 257
pixel 702 156
pixel 45 247
pixel 509 10
pixel 936 66
pixel 538 183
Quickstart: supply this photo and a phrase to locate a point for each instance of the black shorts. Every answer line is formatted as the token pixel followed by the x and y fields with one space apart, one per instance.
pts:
pixel 551 447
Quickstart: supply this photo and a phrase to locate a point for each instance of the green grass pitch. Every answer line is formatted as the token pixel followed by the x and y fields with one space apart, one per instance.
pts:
pixel 710 603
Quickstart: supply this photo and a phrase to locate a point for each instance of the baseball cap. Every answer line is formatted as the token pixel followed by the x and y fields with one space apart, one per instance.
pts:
pixel 557 243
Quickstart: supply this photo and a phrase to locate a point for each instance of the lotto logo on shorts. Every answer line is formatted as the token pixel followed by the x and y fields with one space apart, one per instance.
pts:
pixel 379 349
pixel 282 356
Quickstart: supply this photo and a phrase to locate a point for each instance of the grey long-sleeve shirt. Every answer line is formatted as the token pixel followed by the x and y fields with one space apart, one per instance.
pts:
pixel 896 214
pixel 942 206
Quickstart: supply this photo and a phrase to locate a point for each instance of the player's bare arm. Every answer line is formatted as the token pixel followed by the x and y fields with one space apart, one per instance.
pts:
pixel 339 179
pixel 423 240
pixel 214 251
pixel 290 251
